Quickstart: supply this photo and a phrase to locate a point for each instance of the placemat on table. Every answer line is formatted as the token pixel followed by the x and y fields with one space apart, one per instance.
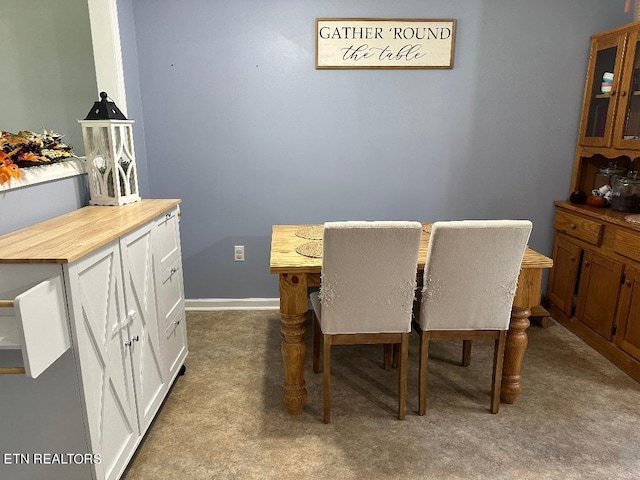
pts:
pixel 633 219
pixel 310 232
pixel 311 249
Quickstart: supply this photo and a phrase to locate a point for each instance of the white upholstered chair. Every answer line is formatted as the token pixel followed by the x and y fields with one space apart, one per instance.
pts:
pixel 470 279
pixel 366 292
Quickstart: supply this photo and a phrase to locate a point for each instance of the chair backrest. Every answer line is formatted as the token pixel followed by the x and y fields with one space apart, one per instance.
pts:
pixel 369 276
pixel 471 274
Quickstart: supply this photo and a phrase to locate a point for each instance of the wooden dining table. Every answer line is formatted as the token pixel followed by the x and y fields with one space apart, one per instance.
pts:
pixel 297 272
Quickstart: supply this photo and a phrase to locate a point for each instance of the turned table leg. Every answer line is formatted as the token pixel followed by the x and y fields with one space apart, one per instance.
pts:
pixel 293 310
pixel 527 295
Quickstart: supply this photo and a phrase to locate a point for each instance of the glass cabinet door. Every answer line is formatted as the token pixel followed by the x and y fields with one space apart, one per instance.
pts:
pixel 627 130
pixel 602 91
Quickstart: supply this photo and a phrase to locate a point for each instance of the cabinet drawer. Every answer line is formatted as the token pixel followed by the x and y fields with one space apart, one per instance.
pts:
pixel 579 227
pixel 171 291
pixel 166 239
pixel 174 344
pixel 33 327
pixel 627 244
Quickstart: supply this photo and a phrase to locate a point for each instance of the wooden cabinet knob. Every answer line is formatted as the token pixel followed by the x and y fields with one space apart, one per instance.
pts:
pixel 627 283
pixel 572 226
pixel 622 94
pixel 572 258
pixel 587 263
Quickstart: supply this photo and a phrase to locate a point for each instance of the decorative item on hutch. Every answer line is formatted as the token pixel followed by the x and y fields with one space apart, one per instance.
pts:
pixel 636 8
pixel 111 161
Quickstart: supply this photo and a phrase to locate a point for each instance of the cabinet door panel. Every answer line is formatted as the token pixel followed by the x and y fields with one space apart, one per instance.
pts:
pixel 101 328
pixel 563 275
pixel 137 265
pixel 599 105
pixel 41 315
pixel 628 319
pixel 598 294
pixel 627 128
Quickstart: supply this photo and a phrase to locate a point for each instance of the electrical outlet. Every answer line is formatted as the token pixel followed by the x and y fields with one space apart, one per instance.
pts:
pixel 238 253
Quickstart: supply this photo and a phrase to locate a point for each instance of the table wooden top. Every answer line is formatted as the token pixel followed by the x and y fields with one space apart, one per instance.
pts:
pixel 285 259
pixel 68 237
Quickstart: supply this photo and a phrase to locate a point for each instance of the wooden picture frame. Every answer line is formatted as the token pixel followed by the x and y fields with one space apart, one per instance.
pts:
pixel 410 43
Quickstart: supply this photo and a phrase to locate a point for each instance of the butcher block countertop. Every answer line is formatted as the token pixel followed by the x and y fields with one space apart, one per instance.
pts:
pixel 68 237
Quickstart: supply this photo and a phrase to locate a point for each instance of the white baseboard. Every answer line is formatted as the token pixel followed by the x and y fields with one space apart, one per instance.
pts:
pixel 212 304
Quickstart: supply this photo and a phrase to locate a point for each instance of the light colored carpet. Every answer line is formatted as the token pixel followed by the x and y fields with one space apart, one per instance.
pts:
pixel 577 418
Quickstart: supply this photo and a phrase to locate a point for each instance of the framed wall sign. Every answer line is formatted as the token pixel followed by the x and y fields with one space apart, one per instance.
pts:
pixel 384 43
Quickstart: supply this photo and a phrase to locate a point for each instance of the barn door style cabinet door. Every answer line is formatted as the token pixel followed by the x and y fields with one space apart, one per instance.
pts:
pixel 117 337
pixel 104 315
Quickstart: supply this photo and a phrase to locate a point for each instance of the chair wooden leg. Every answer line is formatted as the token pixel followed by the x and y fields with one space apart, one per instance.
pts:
pixel 422 372
pixel 387 356
pixel 317 334
pixel 498 360
pixel 396 353
pixel 326 367
pixel 402 376
pixel 466 353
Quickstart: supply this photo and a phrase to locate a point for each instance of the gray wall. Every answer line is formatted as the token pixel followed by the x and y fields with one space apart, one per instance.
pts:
pixel 132 87
pixel 241 126
pixel 232 117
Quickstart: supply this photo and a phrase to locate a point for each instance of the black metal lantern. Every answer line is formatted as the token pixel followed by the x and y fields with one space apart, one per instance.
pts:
pixel 105 110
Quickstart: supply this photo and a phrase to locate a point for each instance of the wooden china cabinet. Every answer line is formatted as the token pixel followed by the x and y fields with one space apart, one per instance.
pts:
pixel 594 285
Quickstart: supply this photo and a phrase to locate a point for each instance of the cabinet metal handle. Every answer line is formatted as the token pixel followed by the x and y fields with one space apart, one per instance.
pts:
pixel 168 215
pixel 177 322
pixel 173 270
pixel 135 339
pixel 127 343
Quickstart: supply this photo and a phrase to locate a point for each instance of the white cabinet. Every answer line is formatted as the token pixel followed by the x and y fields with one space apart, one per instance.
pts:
pixel 102 333
pixel 116 327
pixel 170 291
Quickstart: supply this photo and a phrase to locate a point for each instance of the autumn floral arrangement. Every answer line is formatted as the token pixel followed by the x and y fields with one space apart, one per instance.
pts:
pixel 28 149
